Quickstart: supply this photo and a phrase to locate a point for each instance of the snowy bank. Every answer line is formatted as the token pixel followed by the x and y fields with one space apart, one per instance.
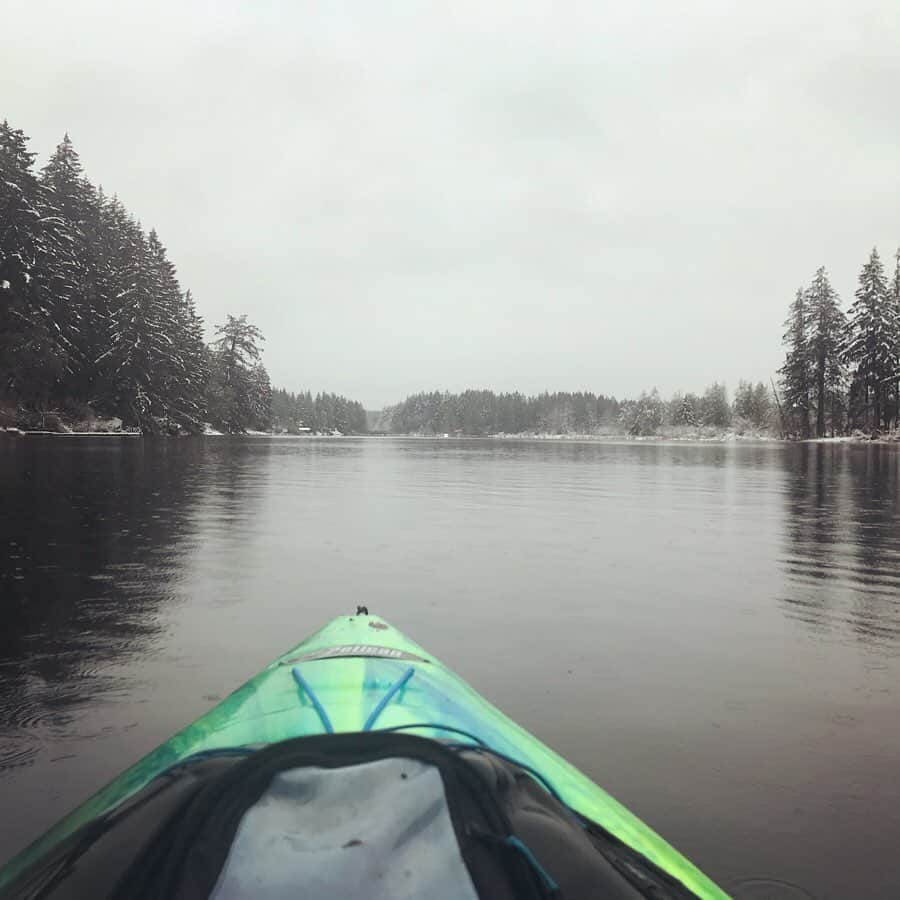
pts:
pixel 77 421
pixel 672 433
pixel 858 437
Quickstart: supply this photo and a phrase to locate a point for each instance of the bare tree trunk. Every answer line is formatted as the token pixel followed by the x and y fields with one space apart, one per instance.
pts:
pixel 780 408
pixel 820 400
pixel 897 404
pixel 866 404
pixel 805 418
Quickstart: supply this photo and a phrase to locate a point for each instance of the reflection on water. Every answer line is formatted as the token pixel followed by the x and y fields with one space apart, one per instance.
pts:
pixel 710 631
pixel 843 552
pixel 94 535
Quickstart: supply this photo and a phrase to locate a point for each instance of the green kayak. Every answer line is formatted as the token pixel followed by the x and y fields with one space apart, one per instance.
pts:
pixel 360 674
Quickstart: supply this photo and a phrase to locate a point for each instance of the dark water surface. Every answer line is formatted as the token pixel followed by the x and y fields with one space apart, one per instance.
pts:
pixel 711 632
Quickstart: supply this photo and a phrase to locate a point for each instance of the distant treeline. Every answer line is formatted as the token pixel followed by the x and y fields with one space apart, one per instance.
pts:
pixel 323 414
pixel 842 370
pixel 750 411
pixel 484 412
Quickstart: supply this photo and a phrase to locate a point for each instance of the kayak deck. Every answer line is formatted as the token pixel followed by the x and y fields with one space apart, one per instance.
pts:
pixel 359 673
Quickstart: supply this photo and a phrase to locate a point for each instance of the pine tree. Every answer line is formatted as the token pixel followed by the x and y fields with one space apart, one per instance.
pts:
pixel 761 405
pixel 743 401
pixel 871 344
pixel 795 373
pixel 67 198
pixel 237 342
pixel 260 390
pixel 825 339
pixel 644 415
pixel 714 407
pixel 285 412
pixel 234 403
pixel 894 301
pixel 137 329
pixel 63 177
pixel 25 339
pixel 175 345
pixel 306 411
pixel 98 291
pixel 689 406
pixel 123 365
pixel 196 361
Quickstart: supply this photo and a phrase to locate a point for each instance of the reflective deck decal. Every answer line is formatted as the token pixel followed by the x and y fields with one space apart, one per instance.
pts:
pixel 354 650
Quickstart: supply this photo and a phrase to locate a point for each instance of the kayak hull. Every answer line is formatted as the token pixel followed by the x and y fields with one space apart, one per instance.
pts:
pixel 359 673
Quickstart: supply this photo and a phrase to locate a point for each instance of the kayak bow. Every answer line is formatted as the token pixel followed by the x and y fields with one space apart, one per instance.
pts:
pixel 359 673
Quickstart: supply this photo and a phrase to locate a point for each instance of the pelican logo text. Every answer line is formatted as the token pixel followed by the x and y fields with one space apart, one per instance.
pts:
pixel 354 650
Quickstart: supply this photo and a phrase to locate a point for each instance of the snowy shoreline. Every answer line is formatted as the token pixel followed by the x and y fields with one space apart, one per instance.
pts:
pixel 693 437
pixel 25 432
pixel 719 437
pixel 19 432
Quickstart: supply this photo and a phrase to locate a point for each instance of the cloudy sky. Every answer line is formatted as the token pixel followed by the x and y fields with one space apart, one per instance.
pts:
pixel 518 195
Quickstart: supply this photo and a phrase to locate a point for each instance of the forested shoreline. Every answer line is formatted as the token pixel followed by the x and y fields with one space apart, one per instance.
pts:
pixel 842 369
pixel 583 413
pixel 96 331
pixel 841 376
pixel 302 413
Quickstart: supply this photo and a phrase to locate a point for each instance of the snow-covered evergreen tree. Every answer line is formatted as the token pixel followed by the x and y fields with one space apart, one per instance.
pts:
pixel 761 406
pixel 642 417
pixel 239 394
pixel 98 291
pixel 752 403
pixel 742 405
pixel 715 409
pixel 871 343
pixel 826 325
pixel 195 360
pixel 260 391
pixel 796 380
pixel 26 342
pixel 689 406
pixel 174 345
pixel 116 328
pixel 894 301
pixel 67 199
pixel 133 323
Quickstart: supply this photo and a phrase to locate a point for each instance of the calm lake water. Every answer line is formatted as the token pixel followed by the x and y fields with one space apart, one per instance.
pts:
pixel 711 632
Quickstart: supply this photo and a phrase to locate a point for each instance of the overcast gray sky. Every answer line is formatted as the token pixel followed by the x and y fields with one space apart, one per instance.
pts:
pixel 516 195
